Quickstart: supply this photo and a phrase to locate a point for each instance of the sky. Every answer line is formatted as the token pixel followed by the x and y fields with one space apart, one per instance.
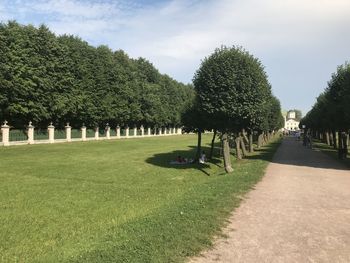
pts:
pixel 299 42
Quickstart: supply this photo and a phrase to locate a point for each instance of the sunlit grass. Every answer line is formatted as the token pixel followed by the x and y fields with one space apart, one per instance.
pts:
pixel 116 201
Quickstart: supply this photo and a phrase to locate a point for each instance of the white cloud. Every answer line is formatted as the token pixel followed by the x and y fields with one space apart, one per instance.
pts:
pixel 82 9
pixel 4 16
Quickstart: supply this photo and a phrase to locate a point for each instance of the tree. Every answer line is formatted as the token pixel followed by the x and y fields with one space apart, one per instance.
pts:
pixel 331 112
pixel 44 77
pixel 233 92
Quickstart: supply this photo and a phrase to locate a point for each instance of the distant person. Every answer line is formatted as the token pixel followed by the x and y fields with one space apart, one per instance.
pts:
pixel 202 158
pixel 309 140
pixel 305 140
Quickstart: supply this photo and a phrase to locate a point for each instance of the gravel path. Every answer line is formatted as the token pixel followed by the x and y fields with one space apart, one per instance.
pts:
pixel 299 212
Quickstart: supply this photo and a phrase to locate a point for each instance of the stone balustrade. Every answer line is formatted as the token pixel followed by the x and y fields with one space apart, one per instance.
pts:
pixel 6 129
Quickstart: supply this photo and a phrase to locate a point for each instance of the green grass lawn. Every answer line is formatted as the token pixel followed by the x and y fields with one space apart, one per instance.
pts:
pixel 116 201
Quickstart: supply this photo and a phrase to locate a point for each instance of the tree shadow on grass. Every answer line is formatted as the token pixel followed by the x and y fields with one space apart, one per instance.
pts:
pixel 164 160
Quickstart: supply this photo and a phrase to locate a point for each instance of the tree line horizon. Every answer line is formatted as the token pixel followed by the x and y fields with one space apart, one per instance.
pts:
pixel 47 78
pixel 329 118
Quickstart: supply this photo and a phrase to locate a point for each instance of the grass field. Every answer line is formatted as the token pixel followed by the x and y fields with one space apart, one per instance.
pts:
pixel 116 201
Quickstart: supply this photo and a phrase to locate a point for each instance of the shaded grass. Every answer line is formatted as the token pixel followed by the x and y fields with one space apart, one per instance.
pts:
pixel 329 150
pixel 116 201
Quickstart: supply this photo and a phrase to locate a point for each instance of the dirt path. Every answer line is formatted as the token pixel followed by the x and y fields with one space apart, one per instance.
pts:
pixel 299 212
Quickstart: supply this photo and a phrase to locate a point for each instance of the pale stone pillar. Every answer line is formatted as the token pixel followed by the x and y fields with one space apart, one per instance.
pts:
pixel 179 131
pixel 148 131
pixel 68 132
pixel 30 133
pixel 165 130
pixel 118 131
pixel 83 133
pixel 108 132
pixel 160 131
pixel 51 131
pixel 142 131
pixel 97 135
pixel 135 131
pixel 174 130
pixel 5 130
pixel 127 132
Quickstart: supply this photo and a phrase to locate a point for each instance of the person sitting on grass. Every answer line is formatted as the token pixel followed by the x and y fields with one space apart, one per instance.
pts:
pixel 181 160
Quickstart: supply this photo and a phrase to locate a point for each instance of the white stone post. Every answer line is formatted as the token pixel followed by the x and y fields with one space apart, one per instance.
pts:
pixel 108 132
pixel 148 131
pixel 68 132
pixel 5 130
pixel 174 130
pixel 51 131
pixel 165 131
pixel 30 133
pixel 160 131
pixel 142 131
pixel 127 132
pixel 83 133
pixel 135 131
pixel 97 133
pixel 118 132
pixel 179 131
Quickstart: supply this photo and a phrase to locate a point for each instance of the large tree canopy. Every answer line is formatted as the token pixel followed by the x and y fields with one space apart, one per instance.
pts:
pixel 233 89
pixel 44 77
pixel 234 94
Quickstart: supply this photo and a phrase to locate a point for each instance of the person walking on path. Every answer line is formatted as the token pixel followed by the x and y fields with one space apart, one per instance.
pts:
pixel 299 212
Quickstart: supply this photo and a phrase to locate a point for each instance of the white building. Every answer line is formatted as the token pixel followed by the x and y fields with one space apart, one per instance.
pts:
pixel 290 121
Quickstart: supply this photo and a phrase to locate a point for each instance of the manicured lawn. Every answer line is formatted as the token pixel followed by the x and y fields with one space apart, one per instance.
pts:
pixel 116 201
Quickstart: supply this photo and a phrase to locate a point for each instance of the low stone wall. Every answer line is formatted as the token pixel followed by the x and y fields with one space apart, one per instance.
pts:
pixel 135 132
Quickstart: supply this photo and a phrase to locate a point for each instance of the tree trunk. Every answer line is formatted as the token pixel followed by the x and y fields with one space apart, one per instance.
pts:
pixel 251 148
pixel 238 148
pixel 327 138
pixel 345 145
pixel 331 139
pixel 244 149
pixel 334 139
pixel 244 134
pixel 199 147
pixel 212 146
pixel 226 151
pixel 265 139
pixel 260 140
pixel 340 145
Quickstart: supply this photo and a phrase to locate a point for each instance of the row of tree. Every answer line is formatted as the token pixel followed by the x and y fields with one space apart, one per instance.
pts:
pixel 233 98
pixel 329 118
pixel 44 78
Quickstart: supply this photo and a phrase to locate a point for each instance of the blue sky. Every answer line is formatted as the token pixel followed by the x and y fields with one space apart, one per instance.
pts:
pixel 300 42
